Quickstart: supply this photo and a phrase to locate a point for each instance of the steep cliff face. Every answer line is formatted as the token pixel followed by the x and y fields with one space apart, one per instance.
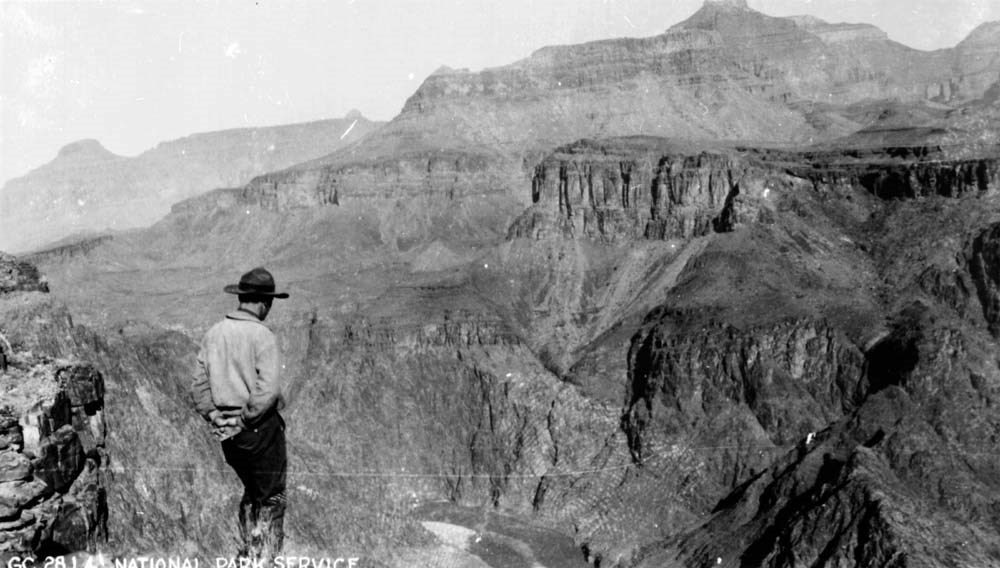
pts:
pixel 984 269
pixel 636 188
pixel 87 189
pixel 794 377
pixel 643 188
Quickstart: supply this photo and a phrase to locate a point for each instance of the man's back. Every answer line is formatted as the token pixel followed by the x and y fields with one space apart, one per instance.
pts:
pixel 240 360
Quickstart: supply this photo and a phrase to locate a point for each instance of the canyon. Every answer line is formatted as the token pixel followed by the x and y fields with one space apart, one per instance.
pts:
pixel 583 323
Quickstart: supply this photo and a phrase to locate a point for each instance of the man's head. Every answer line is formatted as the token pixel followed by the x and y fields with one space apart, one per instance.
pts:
pixel 256 291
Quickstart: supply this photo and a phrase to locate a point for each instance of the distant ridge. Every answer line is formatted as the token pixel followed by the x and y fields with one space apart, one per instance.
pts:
pixel 987 33
pixel 730 4
pixel 87 188
pixel 85 150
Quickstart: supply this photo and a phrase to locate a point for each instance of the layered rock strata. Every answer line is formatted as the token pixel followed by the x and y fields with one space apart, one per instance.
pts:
pixel 648 188
pixel 898 172
pixel 452 175
pixel 642 188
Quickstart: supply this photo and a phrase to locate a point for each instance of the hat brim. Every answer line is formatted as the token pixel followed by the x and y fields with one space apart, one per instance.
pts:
pixel 235 289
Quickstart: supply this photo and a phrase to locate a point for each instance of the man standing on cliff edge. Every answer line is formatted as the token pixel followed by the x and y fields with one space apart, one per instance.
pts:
pixel 238 388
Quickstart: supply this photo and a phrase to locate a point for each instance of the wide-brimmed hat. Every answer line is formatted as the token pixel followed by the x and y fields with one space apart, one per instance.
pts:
pixel 258 282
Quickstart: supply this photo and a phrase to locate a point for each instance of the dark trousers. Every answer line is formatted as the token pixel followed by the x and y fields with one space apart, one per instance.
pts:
pixel 258 456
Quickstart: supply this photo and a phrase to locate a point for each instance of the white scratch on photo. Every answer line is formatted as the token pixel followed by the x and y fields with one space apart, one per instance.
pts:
pixel 349 128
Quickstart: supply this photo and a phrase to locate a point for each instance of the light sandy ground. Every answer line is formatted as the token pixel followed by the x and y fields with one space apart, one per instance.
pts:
pixel 449 534
pixel 455 539
pixel 451 553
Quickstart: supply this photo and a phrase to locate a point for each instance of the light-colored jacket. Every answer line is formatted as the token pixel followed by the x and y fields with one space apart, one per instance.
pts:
pixel 239 366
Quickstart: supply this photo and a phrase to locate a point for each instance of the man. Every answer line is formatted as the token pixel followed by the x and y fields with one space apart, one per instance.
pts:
pixel 238 388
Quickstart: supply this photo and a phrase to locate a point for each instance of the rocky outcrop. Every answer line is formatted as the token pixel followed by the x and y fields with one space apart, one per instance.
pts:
pixel 643 188
pixel 727 402
pixel 818 505
pixel 53 493
pixel 900 173
pixel 16 275
pixel 982 264
pixel 794 377
pixel 64 252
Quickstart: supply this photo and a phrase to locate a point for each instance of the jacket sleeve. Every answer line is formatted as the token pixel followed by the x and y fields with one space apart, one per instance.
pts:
pixel 201 389
pixel 267 389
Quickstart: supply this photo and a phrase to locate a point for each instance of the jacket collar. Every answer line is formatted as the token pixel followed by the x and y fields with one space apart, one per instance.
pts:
pixel 241 315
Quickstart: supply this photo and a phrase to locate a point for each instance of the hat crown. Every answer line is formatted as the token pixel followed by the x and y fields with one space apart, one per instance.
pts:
pixel 258 279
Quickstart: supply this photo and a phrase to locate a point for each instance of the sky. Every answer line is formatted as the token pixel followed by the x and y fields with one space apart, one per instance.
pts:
pixel 132 74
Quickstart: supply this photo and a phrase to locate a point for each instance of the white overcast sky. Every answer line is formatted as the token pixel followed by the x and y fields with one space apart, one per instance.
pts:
pixel 131 74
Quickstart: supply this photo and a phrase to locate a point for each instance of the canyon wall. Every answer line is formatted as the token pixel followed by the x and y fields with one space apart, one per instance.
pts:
pixel 647 188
